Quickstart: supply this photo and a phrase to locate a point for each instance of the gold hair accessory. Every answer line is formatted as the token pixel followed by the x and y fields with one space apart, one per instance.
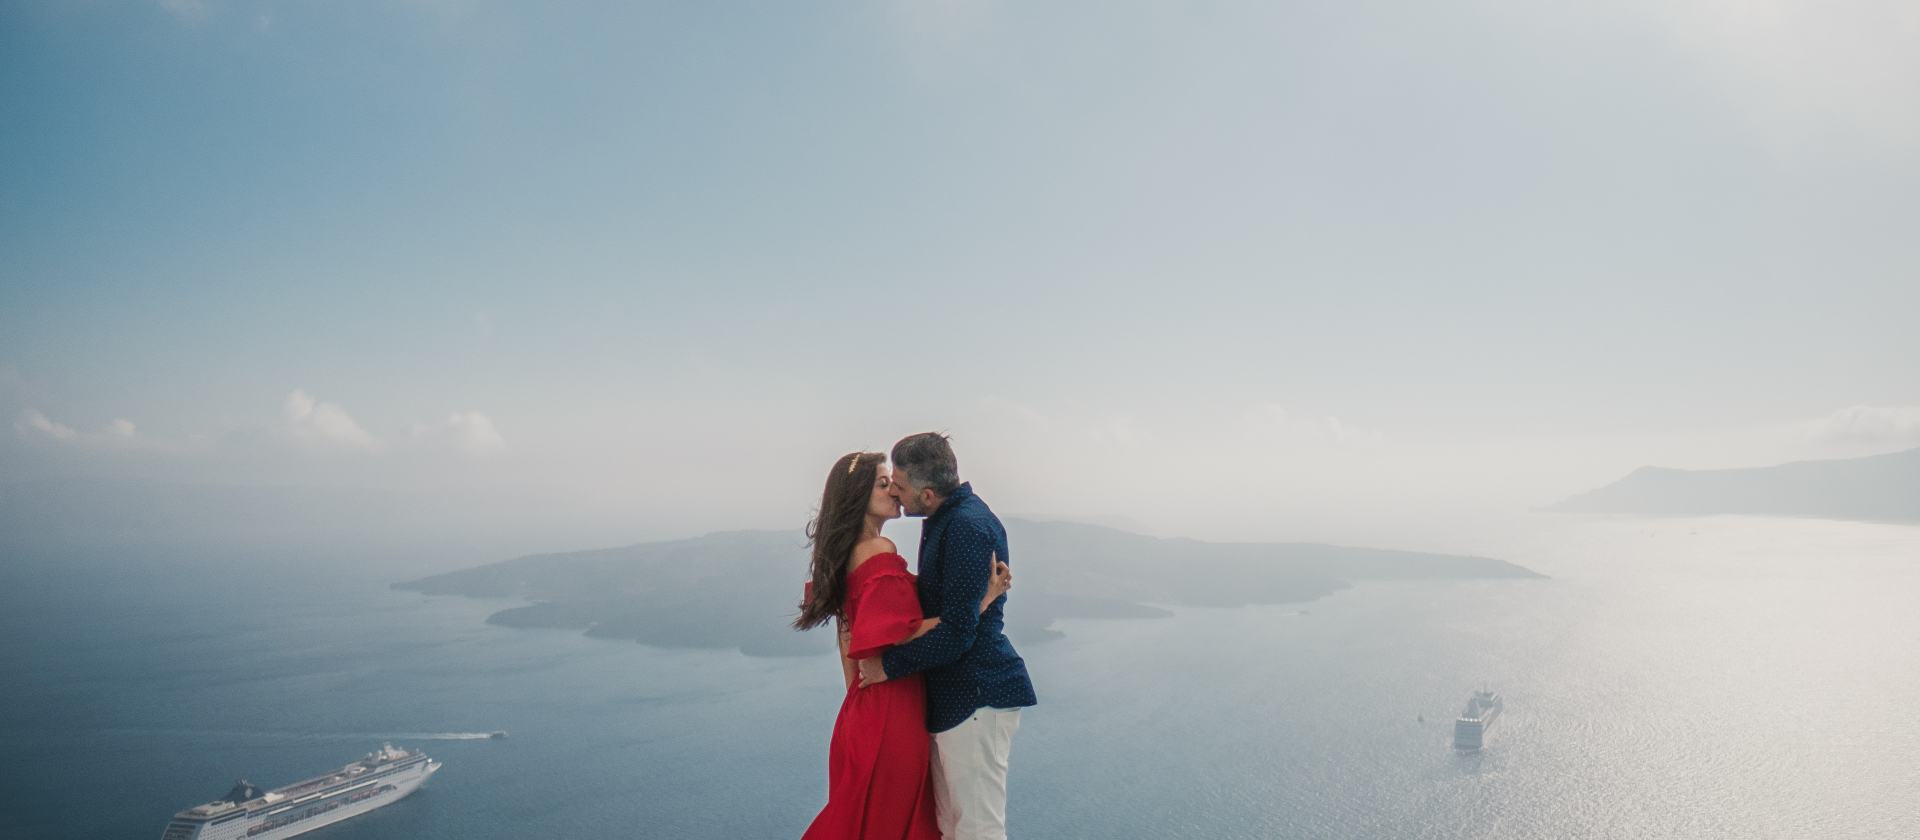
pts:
pixel 856 463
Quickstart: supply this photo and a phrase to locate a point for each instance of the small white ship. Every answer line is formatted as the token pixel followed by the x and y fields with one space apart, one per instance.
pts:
pixel 1470 731
pixel 381 778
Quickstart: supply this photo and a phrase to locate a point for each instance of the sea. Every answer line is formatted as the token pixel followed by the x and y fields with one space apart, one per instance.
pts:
pixel 1717 677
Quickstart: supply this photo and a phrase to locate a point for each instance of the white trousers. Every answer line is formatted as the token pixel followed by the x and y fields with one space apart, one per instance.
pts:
pixel 970 775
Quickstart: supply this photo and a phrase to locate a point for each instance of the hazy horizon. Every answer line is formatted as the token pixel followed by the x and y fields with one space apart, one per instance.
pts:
pixel 1234 271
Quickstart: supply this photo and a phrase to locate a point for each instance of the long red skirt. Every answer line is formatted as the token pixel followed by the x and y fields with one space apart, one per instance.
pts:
pixel 880 779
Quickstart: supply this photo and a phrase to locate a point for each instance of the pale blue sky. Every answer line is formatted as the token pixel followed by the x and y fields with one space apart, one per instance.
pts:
pixel 1227 268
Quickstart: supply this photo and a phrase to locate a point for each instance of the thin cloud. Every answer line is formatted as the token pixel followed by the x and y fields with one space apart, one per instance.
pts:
pixel 325 425
pixel 1274 423
pixel 118 436
pixel 1876 426
pixel 470 433
pixel 33 422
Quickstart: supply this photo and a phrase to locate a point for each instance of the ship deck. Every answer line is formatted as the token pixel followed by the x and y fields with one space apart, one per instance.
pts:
pixel 318 782
pixel 351 775
pixel 338 777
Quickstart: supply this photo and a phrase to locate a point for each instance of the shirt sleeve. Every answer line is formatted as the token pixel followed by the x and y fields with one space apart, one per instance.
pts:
pixel 889 611
pixel 966 562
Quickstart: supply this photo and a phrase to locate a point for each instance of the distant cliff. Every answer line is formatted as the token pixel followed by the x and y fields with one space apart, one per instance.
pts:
pixel 741 588
pixel 1881 487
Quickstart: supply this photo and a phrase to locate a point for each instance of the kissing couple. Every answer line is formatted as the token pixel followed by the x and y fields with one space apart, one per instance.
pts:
pixel 934 689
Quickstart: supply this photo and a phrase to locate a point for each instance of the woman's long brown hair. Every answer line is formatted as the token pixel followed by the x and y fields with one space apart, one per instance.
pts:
pixel 835 531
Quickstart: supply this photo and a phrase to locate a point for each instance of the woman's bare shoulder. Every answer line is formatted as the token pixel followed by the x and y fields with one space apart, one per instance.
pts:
pixel 872 547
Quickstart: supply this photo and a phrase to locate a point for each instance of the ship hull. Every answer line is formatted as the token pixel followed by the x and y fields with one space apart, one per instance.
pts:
pixel 1469 736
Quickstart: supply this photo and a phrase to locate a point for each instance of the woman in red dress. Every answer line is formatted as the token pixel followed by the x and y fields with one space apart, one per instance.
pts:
pixel 880 785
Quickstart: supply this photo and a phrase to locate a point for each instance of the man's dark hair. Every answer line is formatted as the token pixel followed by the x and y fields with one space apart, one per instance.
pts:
pixel 927 459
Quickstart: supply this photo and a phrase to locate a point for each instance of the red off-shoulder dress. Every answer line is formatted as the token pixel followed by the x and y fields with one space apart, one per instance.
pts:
pixel 880 784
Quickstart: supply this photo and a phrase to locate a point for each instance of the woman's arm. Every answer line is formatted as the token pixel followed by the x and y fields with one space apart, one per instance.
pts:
pixel 997 586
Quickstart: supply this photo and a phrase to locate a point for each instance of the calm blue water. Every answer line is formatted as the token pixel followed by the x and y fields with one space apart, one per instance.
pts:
pixel 1725 677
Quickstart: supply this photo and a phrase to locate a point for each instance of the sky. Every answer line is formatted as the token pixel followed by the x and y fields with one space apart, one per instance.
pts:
pixel 1237 271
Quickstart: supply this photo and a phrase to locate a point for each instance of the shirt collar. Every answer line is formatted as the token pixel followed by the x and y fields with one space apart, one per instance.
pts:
pixel 952 500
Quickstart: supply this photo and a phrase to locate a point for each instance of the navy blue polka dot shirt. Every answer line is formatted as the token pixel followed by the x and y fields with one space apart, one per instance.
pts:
pixel 967 659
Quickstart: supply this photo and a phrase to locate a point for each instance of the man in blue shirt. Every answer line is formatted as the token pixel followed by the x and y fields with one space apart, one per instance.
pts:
pixel 976 683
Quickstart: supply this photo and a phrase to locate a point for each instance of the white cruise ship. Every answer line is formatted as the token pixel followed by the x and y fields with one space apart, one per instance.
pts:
pixel 380 778
pixel 1470 731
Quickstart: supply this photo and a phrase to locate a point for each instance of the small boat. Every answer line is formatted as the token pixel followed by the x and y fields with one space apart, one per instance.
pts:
pixel 498 734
